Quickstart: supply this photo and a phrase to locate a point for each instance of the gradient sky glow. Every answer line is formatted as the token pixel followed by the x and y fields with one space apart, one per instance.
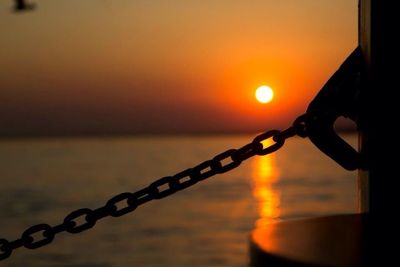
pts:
pixel 166 66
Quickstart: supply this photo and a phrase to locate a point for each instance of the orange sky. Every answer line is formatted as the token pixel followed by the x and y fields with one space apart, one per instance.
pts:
pixel 176 66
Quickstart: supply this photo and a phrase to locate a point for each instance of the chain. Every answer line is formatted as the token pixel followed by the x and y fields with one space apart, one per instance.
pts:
pixel 83 219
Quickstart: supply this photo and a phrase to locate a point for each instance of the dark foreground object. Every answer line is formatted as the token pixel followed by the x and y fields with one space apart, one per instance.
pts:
pixel 342 240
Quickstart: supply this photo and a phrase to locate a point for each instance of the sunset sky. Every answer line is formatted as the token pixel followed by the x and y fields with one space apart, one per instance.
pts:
pixel 166 66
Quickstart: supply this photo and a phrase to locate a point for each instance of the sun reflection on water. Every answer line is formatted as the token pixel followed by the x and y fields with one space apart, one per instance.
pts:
pixel 264 176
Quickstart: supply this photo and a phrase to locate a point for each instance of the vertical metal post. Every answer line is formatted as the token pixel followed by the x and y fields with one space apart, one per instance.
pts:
pixel 364 38
pixel 378 100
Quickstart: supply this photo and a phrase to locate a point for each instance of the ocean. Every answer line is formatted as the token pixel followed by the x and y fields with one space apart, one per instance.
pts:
pixel 207 225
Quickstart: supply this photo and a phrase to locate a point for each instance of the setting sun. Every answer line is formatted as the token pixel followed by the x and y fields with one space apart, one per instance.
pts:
pixel 264 94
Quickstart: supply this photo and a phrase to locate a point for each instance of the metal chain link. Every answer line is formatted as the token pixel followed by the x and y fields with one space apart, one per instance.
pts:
pixel 83 219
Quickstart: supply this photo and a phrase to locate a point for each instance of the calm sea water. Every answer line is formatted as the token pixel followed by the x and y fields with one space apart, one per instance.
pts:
pixel 208 225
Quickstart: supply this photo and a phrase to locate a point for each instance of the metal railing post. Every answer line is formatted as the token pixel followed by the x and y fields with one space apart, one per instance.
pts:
pixel 378 143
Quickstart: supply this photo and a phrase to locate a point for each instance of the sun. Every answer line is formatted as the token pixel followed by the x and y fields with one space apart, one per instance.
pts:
pixel 264 94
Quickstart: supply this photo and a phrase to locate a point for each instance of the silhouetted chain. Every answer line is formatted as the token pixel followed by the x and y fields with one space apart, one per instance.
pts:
pixel 83 219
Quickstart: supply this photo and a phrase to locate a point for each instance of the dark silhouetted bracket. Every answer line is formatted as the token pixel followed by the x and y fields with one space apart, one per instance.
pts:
pixel 338 97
